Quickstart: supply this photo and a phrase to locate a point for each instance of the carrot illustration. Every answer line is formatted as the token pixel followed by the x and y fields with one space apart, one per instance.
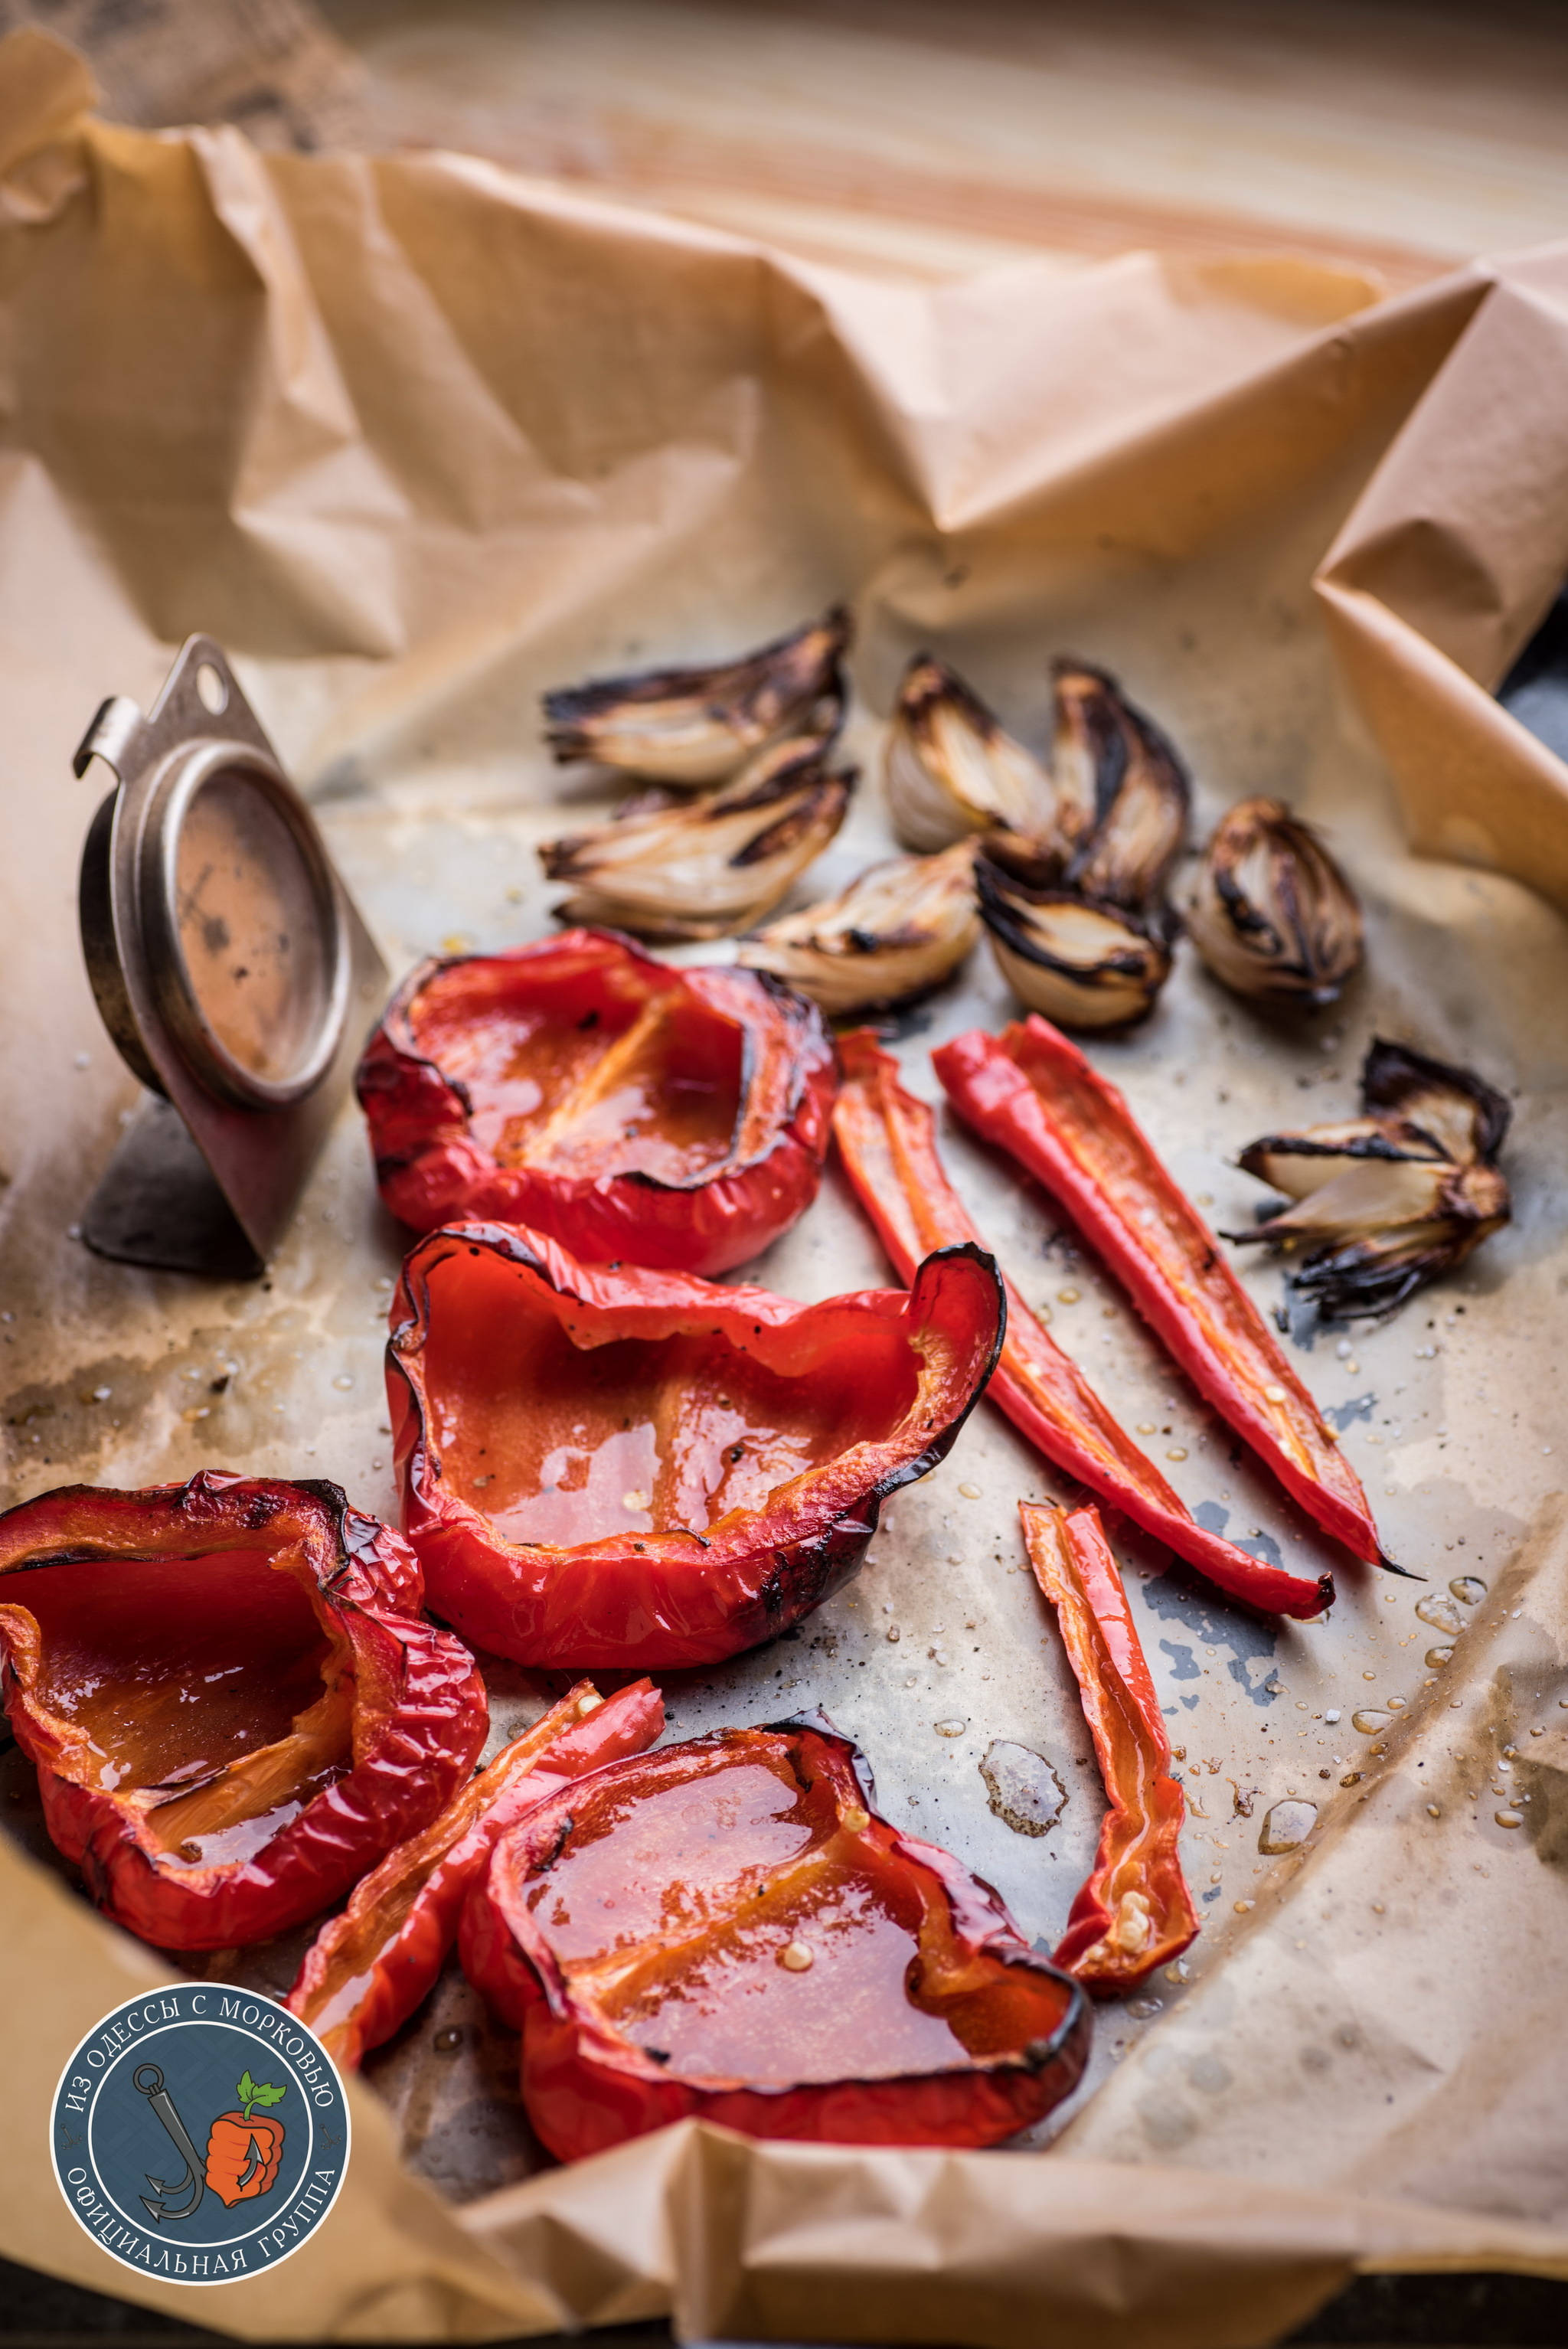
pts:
pixel 243 2152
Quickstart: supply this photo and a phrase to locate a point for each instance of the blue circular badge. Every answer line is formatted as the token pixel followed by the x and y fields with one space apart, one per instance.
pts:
pixel 201 2133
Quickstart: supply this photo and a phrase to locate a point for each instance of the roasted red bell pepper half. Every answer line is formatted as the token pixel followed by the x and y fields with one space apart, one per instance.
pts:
pixel 726 1931
pixel 1035 1095
pixel 233 1703
pixel 1135 1912
pixel 637 1113
pixel 368 1969
pixel 634 1470
pixel 887 1140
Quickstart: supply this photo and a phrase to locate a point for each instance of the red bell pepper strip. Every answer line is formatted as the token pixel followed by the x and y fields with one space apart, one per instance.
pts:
pixel 1135 1912
pixel 887 1140
pixel 1033 1094
pixel 637 1113
pixel 726 1929
pixel 368 1969
pixel 632 1470
pixel 233 1703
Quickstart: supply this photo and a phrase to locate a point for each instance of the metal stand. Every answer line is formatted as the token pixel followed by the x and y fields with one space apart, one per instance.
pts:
pixel 158 1204
pixel 231 967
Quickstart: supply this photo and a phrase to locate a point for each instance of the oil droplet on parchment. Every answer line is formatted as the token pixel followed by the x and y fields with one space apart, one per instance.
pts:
pixel 1286 1825
pixel 1022 1788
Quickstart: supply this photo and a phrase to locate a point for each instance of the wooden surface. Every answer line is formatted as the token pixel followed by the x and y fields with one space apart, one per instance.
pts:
pixel 928 139
pixel 914 136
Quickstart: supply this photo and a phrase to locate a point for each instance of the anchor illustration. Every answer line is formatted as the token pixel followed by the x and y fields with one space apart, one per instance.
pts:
pixel 148 2080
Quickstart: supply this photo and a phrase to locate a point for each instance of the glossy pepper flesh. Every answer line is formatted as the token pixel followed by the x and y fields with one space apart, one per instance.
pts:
pixel 637 1113
pixel 634 1470
pixel 1033 1094
pixel 1135 1912
pixel 232 1701
pixel 726 1929
pixel 887 1140
pixel 368 1969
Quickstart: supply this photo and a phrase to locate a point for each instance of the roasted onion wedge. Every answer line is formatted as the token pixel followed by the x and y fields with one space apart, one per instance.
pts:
pixel 1380 1233
pixel 1121 793
pixel 1299 1163
pixel 952 768
pixel 1415 1107
pixel 1082 963
pixel 1386 1202
pixel 1273 915
pixel 713 865
pixel 896 933
pixel 1451 1110
pixel 700 725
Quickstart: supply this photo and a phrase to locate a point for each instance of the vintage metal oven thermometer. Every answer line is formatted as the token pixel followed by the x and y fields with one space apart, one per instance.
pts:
pixel 230 969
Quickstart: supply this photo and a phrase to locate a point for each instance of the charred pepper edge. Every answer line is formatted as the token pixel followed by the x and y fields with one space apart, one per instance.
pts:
pixel 151 1900
pixel 396 1025
pixel 395 1032
pixel 332 1497
pixel 791 1002
pixel 506 1240
pixel 1035 2056
pixel 807 1566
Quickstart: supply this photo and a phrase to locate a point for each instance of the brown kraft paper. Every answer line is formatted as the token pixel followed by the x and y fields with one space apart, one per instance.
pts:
pixel 416 437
